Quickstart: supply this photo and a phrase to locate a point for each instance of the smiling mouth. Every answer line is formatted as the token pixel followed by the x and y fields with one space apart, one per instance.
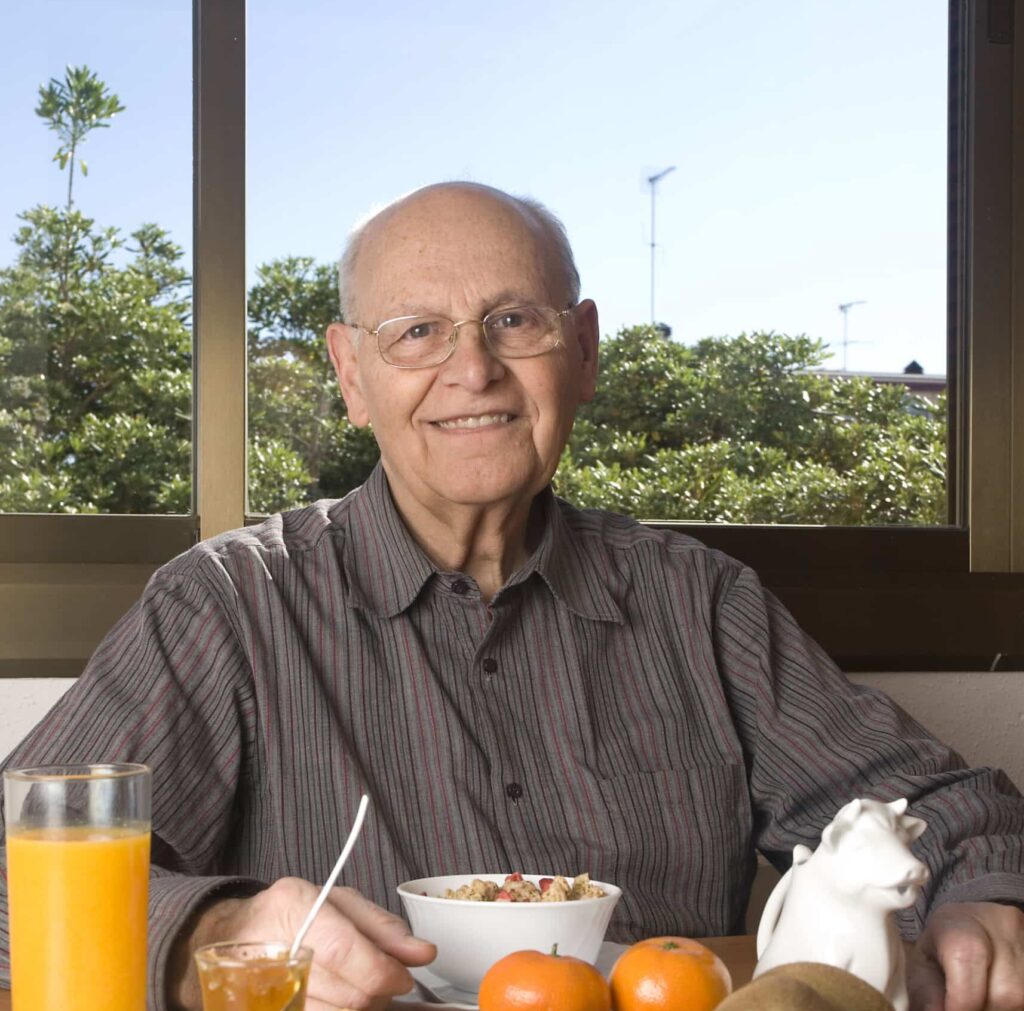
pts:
pixel 475 421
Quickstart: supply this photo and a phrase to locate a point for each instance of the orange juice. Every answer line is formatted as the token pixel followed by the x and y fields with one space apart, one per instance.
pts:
pixel 78 917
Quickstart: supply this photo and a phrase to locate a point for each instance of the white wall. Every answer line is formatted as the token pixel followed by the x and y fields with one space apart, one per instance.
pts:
pixel 23 703
pixel 981 715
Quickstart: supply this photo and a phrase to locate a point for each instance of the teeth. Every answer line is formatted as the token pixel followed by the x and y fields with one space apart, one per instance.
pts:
pixel 476 421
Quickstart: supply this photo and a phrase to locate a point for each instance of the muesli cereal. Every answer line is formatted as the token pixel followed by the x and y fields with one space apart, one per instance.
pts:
pixel 516 888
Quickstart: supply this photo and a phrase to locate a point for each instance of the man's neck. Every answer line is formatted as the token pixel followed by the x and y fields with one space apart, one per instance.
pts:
pixel 486 542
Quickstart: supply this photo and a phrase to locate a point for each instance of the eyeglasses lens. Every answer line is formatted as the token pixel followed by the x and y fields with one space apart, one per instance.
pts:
pixel 420 341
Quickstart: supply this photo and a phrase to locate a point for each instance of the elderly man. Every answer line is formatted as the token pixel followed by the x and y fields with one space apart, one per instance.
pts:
pixel 516 683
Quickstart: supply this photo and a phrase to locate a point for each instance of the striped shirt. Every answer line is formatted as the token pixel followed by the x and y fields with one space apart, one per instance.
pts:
pixel 631 704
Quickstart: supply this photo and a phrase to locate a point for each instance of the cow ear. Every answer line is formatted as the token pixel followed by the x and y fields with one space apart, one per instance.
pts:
pixel 898 806
pixel 913 827
pixel 834 833
pixel 839 825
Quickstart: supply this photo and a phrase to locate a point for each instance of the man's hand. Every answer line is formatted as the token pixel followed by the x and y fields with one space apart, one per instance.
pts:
pixel 360 951
pixel 970 957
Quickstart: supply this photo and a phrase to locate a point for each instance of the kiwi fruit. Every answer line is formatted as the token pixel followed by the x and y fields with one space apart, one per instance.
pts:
pixel 806 986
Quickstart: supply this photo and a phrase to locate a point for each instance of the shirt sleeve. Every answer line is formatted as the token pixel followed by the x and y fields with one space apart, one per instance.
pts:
pixel 170 687
pixel 813 741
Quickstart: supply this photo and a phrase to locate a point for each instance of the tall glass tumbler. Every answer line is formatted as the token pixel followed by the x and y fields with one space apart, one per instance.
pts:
pixel 78 884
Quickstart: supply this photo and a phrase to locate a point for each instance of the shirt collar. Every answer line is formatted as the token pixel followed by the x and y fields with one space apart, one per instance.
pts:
pixel 387 569
pixel 385 566
pixel 571 568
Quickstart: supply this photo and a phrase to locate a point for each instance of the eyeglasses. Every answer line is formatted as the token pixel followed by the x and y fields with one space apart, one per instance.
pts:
pixel 417 342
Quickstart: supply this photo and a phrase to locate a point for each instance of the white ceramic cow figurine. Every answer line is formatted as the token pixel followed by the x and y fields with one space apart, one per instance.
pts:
pixel 835 905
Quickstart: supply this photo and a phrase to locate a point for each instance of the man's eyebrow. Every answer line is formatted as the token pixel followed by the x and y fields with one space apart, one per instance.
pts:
pixel 411 309
pixel 504 298
pixel 510 297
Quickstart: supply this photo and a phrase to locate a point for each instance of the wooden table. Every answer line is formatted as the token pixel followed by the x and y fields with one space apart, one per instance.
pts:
pixel 736 952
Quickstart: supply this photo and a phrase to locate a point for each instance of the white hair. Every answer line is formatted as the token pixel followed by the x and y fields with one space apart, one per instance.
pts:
pixel 533 210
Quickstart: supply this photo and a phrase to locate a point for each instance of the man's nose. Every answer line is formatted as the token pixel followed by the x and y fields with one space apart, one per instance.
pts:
pixel 472 364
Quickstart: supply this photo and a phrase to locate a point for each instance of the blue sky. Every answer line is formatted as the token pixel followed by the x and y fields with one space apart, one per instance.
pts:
pixel 808 138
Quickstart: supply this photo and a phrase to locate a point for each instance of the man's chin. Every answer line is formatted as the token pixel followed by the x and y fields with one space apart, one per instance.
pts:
pixel 481 487
pixel 482 493
pixel 470 483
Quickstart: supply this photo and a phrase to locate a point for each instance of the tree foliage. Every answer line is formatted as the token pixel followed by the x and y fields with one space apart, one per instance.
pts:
pixel 301 444
pixel 95 367
pixel 744 430
pixel 73 108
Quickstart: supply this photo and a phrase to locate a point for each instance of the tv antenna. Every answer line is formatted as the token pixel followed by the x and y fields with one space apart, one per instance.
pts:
pixel 653 182
pixel 844 308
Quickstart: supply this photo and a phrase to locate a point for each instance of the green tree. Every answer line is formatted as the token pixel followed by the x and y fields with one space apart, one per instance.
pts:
pixel 301 444
pixel 742 429
pixel 73 108
pixel 95 370
pixel 95 348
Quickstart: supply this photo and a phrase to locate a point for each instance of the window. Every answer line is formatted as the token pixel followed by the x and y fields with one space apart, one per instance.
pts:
pixel 877 598
pixel 797 165
pixel 95 334
pixel 95 306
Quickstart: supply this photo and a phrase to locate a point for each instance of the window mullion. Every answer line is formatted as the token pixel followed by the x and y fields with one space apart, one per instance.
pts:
pixel 994 232
pixel 1017 276
pixel 219 272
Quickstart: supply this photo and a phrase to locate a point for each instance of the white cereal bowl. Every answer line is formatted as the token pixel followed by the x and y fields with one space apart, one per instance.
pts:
pixel 472 936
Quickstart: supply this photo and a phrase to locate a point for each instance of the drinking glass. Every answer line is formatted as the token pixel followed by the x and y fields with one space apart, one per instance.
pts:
pixel 253 976
pixel 78 883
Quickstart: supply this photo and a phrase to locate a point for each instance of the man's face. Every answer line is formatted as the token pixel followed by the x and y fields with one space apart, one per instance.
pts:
pixel 476 429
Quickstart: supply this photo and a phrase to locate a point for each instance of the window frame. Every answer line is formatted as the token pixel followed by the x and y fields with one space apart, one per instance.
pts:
pixel 876 598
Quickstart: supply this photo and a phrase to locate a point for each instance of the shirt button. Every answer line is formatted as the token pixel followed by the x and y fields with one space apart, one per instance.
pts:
pixel 460 586
pixel 490 665
pixel 513 791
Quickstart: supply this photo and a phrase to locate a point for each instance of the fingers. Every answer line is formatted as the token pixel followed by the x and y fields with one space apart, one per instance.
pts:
pixel 1006 977
pixel 360 951
pixel 332 992
pixel 961 949
pixel 387 931
pixel 350 969
pixel 975 951
pixel 926 986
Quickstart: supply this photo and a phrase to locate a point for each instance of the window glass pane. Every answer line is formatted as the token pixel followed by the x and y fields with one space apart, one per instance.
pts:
pixel 756 194
pixel 95 302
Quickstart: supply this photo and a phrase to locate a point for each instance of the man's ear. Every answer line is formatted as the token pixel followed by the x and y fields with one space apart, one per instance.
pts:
pixel 342 347
pixel 587 335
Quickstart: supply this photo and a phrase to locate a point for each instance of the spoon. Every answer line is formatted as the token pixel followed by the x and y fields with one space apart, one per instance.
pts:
pixel 364 803
pixel 430 996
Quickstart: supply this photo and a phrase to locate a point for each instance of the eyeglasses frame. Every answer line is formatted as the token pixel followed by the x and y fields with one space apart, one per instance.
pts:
pixel 454 335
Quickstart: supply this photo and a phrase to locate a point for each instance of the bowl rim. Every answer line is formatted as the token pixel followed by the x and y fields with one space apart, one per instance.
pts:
pixel 404 892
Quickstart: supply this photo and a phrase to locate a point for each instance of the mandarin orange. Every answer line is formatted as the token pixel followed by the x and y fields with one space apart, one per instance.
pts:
pixel 669 974
pixel 533 981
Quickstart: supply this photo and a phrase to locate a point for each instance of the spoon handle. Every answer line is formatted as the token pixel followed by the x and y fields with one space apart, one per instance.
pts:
pixel 364 803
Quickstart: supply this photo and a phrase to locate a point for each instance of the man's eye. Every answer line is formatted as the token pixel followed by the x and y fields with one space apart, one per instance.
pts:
pixel 421 331
pixel 510 320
